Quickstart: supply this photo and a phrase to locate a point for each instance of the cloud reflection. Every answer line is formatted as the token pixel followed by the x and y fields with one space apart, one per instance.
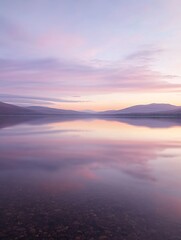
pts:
pixel 76 152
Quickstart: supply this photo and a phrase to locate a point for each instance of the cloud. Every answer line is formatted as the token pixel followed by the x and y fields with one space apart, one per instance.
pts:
pixel 54 76
pixel 144 55
pixel 34 99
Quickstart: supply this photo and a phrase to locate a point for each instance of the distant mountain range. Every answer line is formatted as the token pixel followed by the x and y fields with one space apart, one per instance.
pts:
pixel 150 110
pixel 153 109
pixel 9 109
pixel 52 111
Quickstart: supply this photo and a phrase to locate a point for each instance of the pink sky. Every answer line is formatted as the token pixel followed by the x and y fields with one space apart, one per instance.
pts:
pixel 77 55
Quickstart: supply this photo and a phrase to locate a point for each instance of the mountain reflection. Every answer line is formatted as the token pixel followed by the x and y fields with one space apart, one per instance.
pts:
pixel 7 121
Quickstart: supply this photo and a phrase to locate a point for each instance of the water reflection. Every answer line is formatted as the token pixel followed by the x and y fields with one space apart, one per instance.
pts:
pixel 89 179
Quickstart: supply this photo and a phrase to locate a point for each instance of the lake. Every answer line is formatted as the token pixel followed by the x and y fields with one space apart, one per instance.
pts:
pixel 76 179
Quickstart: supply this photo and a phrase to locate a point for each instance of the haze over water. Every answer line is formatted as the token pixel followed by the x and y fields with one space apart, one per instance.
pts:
pixel 90 179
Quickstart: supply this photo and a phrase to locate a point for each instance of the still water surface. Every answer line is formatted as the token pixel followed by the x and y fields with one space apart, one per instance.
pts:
pixel 89 179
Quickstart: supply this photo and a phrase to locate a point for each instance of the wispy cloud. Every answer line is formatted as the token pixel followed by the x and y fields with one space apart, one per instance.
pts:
pixel 146 55
pixel 52 76
pixel 34 100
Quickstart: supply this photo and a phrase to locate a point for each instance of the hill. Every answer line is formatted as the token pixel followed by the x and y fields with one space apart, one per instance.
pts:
pixel 9 109
pixel 150 109
pixel 53 111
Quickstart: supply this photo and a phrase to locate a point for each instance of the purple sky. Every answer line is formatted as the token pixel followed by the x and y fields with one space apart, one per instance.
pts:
pixel 96 54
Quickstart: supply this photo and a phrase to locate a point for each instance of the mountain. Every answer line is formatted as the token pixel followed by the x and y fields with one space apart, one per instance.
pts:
pixel 53 111
pixel 150 109
pixel 9 109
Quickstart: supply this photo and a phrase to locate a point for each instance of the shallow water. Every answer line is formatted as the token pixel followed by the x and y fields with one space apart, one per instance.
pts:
pixel 90 179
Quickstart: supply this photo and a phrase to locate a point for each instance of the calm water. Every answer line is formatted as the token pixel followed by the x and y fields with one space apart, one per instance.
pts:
pixel 90 179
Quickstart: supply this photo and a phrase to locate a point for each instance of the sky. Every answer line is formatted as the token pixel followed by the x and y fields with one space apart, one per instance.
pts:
pixel 96 55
